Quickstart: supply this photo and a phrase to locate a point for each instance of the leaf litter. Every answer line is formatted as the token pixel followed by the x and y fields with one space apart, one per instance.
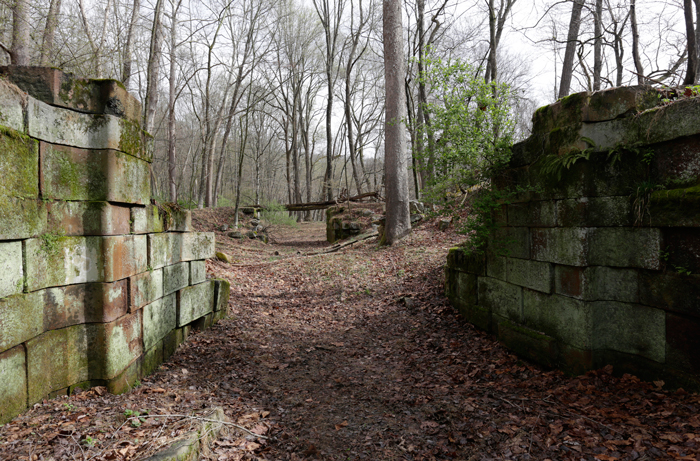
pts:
pixel 357 355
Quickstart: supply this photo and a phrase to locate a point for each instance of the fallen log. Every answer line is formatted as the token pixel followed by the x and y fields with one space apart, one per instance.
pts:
pixel 310 206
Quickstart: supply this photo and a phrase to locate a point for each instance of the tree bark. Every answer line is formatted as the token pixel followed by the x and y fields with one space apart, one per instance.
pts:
pixel 126 69
pixel 635 43
pixel 570 53
pixel 151 100
pixel 49 33
pixel 172 184
pixel 19 55
pixel 690 37
pixel 398 221
pixel 598 44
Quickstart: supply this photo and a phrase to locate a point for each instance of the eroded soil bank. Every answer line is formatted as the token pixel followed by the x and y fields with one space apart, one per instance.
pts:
pixel 356 355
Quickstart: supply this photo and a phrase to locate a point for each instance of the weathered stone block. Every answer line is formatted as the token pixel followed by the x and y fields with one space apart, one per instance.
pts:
pixel 151 359
pixel 683 247
pixel 11 271
pixel 500 298
pixel 532 214
pixel 21 219
pixel 630 328
pixel 19 164
pixel 127 379
pixel 527 343
pixel 21 319
pixel 194 302
pixel 155 220
pixel 180 221
pixel 683 343
pixel 669 122
pixel 567 111
pixel 63 89
pixel 496 265
pixel 461 259
pixel 159 319
pixel 566 319
pixel 113 346
pixel 625 247
pixel 222 290
pixel 124 256
pixel 671 291
pixel 675 208
pixel 597 283
pixel 677 161
pixel 175 277
pixel 85 303
pixel 145 288
pixel 87 131
pixel 530 274
pixel 56 360
pixel 56 261
pixel 595 212
pixel 195 245
pixel 170 344
pixel 70 173
pixel 12 105
pixel 568 246
pixel 89 218
pixel 615 102
pixel 198 272
pixel 13 385
pixel 139 220
pixel 167 248
pixel 510 241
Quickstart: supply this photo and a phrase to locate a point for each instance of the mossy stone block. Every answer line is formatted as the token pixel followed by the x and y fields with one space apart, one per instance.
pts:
pixel 56 360
pixel 500 298
pixel 194 302
pixel 671 291
pixel 496 265
pixel 196 245
pixel 175 277
pixel 464 260
pixel 683 249
pixel 612 103
pixel 170 344
pixel 528 343
pixel 630 328
pixel 535 275
pixel 597 283
pixel 155 220
pixel 12 104
pixel 625 247
pixel 532 214
pixel 13 385
pixel 19 165
pixel 89 218
pixel 63 89
pixel 139 220
pixel 159 253
pixel 55 261
pixel 127 379
pixel 198 272
pixel 152 359
pixel 159 319
pixel 510 241
pixel 124 256
pixel 144 288
pixel 565 319
pixel 595 212
pixel 460 287
pixel 84 303
pixel 11 271
pixel 222 291
pixel 671 121
pixel 70 173
pixel 21 218
pixel 568 246
pixel 675 208
pixel 114 346
pixel 87 131
pixel 21 319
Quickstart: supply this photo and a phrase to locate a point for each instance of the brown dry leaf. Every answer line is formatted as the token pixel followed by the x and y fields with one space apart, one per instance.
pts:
pixel 341 425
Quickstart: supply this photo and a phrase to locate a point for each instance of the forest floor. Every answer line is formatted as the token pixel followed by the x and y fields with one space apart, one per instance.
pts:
pixel 357 355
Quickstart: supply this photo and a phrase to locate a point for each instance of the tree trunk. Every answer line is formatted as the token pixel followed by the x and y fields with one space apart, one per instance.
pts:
pixel 598 44
pixel 151 100
pixel 126 70
pixel 635 43
pixel 690 37
pixel 20 33
pixel 49 33
pixel 491 70
pixel 398 221
pixel 570 53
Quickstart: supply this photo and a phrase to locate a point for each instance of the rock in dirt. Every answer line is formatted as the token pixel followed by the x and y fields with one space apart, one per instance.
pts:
pixel 223 257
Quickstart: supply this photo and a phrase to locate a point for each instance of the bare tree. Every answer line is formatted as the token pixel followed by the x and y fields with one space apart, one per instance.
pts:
pixel 690 74
pixel 126 69
pixel 398 220
pixel 571 41
pixel 47 48
pixel 19 54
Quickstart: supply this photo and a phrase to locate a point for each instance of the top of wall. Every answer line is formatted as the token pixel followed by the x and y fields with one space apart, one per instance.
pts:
pixel 63 89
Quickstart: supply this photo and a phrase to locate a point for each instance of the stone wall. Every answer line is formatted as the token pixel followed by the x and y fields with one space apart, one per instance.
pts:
pixel 599 265
pixel 97 284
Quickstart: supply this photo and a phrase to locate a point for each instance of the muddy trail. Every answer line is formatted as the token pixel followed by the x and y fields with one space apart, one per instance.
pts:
pixel 357 355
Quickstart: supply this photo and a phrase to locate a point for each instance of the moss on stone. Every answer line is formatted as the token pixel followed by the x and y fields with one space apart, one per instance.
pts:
pixel 19 165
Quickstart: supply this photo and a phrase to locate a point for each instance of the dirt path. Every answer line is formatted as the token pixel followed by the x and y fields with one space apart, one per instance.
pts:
pixel 356 355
